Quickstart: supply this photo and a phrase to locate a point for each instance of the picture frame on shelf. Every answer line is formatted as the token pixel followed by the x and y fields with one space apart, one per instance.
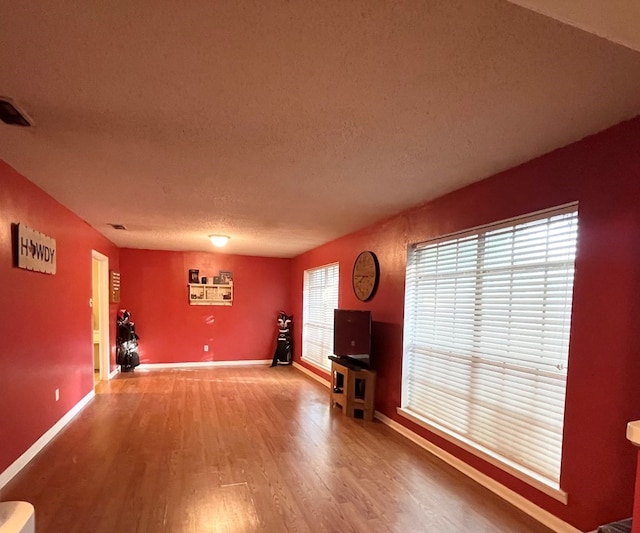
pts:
pixel 226 277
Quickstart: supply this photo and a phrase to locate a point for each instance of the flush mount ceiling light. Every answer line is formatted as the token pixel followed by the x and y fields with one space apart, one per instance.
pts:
pixel 219 240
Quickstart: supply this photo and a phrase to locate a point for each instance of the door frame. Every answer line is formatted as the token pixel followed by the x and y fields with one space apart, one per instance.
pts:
pixel 103 312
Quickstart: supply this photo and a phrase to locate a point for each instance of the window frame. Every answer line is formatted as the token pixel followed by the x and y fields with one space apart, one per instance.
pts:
pixel 324 328
pixel 543 483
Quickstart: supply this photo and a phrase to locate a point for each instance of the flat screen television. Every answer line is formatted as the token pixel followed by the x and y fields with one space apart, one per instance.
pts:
pixel 352 336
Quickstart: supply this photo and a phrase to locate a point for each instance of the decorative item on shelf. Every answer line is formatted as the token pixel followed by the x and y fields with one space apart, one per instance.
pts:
pixel 194 275
pixel 196 292
pixel 203 280
pixel 217 280
pixel 226 277
pixel 365 276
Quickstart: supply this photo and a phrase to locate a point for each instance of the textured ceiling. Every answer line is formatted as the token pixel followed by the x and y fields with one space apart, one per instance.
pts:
pixel 616 20
pixel 289 124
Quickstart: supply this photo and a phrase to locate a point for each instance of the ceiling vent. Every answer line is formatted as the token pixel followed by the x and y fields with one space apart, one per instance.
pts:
pixel 10 114
pixel 118 226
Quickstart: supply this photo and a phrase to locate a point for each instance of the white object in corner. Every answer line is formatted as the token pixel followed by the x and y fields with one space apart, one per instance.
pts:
pixel 633 432
pixel 17 517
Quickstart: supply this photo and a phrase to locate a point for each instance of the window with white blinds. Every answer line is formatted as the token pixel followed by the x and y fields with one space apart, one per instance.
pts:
pixel 487 318
pixel 320 298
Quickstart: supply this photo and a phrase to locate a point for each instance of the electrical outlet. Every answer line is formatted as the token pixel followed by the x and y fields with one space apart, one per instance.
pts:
pixel 206 347
pixel 57 394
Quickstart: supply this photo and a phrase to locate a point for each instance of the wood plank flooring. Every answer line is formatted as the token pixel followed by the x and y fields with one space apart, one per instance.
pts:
pixel 243 449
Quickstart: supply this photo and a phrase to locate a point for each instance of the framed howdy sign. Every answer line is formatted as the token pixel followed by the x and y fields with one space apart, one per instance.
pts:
pixel 35 251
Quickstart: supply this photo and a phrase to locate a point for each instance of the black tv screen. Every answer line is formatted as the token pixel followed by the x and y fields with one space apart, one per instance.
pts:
pixel 352 335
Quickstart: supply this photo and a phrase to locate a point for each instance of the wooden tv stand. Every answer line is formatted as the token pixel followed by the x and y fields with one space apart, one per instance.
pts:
pixel 353 389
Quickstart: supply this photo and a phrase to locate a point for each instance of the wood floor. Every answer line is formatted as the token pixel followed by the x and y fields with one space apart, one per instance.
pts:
pixel 243 449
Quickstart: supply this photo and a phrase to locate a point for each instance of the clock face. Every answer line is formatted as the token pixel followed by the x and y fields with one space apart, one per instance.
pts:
pixel 365 275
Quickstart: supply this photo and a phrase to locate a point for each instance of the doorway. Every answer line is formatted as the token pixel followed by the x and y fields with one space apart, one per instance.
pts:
pixel 100 315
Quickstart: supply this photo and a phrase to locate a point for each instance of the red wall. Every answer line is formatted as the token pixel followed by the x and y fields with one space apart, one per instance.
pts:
pixel 602 172
pixel 45 320
pixel 154 290
pixel 636 501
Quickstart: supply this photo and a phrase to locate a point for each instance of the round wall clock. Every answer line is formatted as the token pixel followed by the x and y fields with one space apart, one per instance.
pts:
pixel 366 273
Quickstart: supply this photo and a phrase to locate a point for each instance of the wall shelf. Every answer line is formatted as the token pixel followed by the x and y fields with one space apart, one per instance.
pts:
pixel 209 294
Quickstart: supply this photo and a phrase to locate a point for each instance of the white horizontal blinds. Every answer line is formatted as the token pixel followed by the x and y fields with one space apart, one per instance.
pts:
pixel 320 298
pixel 487 319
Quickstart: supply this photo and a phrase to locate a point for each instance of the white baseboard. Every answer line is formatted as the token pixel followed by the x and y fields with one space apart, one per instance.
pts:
pixel 114 372
pixel 313 375
pixel 24 459
pixel 203 364
pixel 515 499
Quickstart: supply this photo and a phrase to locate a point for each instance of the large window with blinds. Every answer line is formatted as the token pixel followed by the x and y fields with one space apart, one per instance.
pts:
pixel 319 299
pixel 486 335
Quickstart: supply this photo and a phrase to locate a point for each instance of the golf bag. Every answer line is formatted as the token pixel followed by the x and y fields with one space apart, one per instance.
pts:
pixel 126 342
pixel 283 354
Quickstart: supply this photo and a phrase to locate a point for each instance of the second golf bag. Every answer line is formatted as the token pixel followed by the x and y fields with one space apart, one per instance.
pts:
pixel 126 342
